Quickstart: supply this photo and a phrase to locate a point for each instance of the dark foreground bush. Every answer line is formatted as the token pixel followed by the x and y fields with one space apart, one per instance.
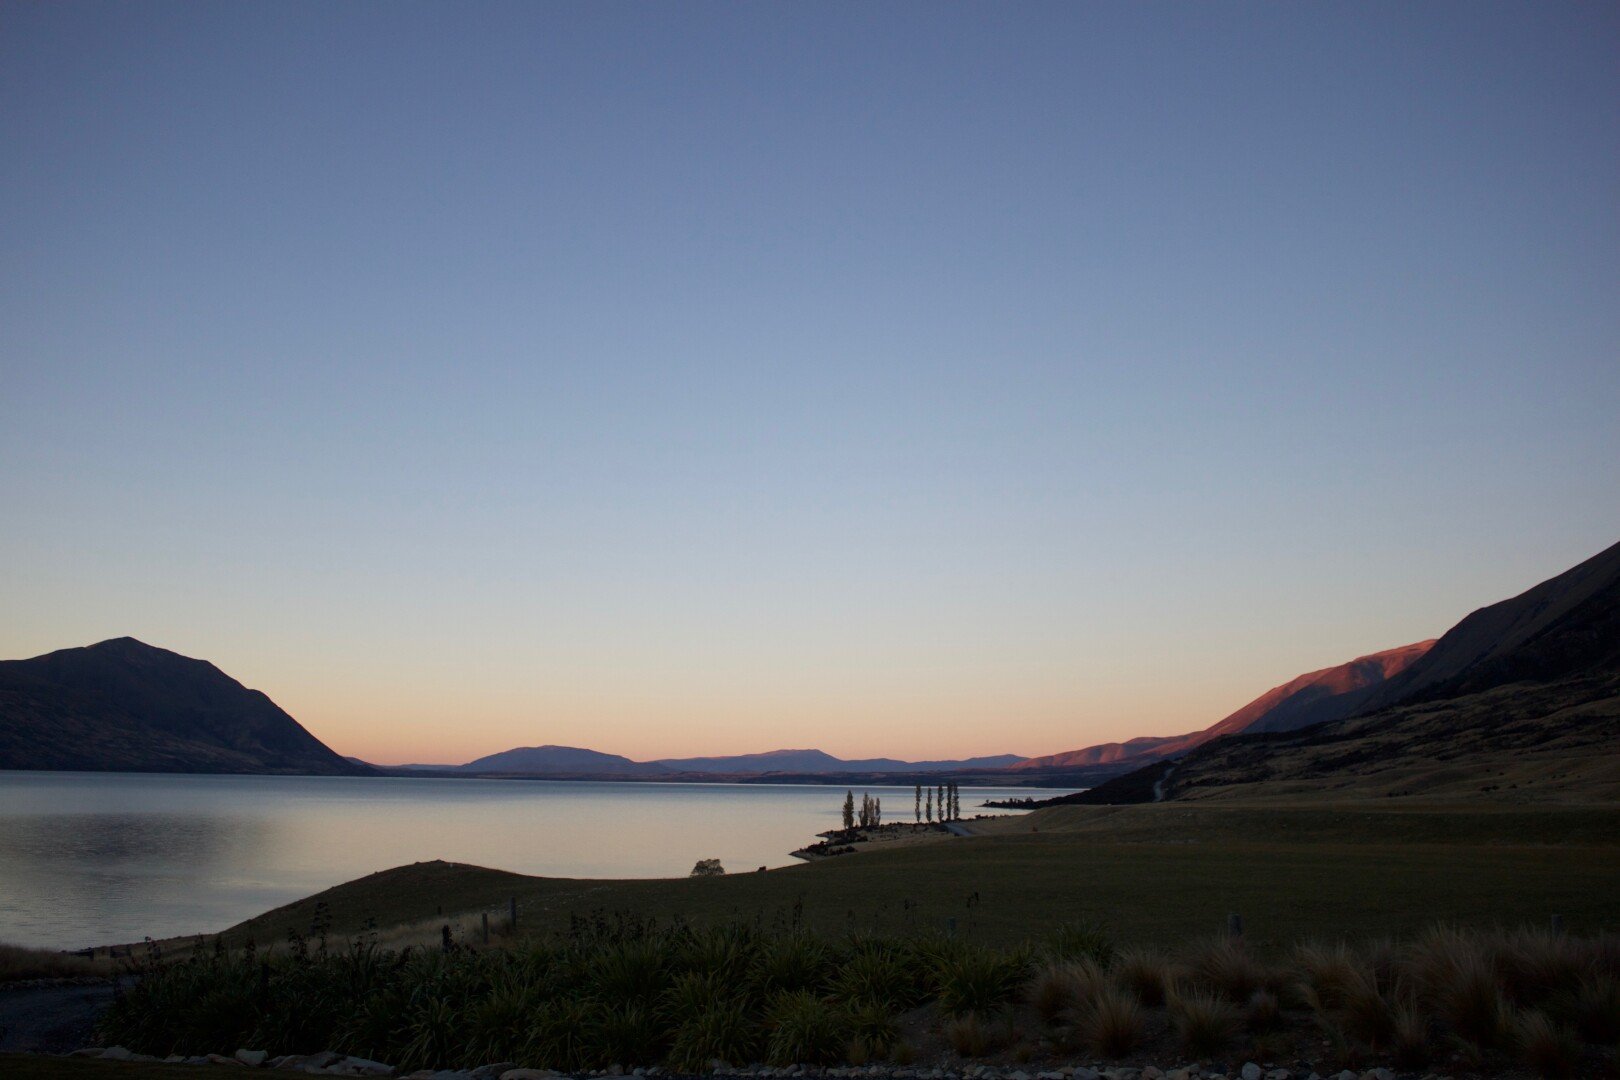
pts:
pixel 634 994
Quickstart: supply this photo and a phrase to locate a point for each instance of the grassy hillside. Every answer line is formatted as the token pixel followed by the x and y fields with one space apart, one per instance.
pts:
pixel 1161 873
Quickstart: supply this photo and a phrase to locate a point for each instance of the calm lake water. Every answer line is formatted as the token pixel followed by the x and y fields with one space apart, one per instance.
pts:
pixel 98 858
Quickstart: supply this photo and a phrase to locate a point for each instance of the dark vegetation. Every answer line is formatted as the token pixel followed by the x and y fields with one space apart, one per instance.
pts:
pixel 624 990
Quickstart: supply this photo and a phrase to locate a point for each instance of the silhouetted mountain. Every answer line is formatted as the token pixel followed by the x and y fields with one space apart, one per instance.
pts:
pixel 1567 625
pixel 559 761
pixel 819 761
pixel 122 705
pixel 1313 698
pixel 1523 695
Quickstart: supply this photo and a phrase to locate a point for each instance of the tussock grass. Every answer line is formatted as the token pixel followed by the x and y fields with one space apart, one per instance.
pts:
pixel 1205 1024
pixel 1111 1023
pixel 18 962
pixel 1549 1049
pixel 1147 974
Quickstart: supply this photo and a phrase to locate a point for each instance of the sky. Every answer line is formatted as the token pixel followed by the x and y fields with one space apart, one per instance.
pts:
pixel 921 380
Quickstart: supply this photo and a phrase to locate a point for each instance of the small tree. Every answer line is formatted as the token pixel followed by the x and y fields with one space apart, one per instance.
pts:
pixel 849 810
pixel 918 809
pixel 956 801
pixel 939 800
pixel 877 812
pixel 708 868
pixel 928 807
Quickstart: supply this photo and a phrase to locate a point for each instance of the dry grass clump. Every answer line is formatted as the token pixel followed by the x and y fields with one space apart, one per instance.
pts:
pixel 1263 1012
pixel 1111 1025
pixel 17 962
pixel 1532 965
pixel 1591 1007
pixel 1549 1049
pixel 968 1035
pixel 1149 975
pixel 1061 988
pixel 1204 1023
pixel 1455 978
pixel 1225 966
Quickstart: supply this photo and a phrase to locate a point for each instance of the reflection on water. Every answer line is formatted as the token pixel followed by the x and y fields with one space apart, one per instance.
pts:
pixel 104 857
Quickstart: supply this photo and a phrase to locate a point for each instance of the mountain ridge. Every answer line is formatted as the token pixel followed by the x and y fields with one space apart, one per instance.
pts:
pixel 125 706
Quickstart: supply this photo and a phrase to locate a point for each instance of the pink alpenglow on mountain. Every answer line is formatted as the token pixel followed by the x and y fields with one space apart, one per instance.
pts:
pixel 1314 698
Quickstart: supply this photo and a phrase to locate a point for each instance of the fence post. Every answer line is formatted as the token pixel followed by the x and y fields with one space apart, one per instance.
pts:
pixel 1234 925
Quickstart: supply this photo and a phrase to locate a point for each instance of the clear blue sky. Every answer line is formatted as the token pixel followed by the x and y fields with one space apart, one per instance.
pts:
pixel 910 379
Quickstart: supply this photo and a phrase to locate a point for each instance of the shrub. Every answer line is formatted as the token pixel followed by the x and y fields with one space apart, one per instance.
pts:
pixel 1205 1024
pixel 977 980
pixel 874 1028
pixel 805 1030
pixel 557 1033
pixel 693 994
pixel 631 971
pixel 724 1032
pixel 793 962
pixel 1549 1049
pixel 878 977
pixel 626 1034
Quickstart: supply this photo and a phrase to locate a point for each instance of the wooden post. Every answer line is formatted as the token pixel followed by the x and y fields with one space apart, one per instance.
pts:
pixel 1234 925
pixel 1558 926
pixel 514 914
pixel 486 928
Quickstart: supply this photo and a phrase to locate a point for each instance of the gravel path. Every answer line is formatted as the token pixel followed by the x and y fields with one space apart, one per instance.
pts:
pixel 51 1019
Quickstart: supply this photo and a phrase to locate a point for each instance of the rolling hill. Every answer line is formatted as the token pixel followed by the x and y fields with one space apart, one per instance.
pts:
pixel 123 705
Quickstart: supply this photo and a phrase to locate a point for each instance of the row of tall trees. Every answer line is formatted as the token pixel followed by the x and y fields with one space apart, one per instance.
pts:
pixel 943 803
pixel 871 811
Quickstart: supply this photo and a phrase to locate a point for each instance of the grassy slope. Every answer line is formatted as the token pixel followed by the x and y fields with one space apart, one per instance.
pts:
pixel 1151 873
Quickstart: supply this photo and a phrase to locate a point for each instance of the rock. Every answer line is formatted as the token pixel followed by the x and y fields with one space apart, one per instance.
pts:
pixel 89 1051
pixel 115 1053
pixel 1279 1074
pixel 1084 1073
pixel 1378 1074
pixel 494 1071
pixel 1152 1072
pixel 174 1059
pixel 1251 1071
pixel 252 1058
pixel 221 1059
pixel 1347 1075
pixel 353 1066
pixel 530 1074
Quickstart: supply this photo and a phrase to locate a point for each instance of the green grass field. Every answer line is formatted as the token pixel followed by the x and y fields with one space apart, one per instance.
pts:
pixel 1150 874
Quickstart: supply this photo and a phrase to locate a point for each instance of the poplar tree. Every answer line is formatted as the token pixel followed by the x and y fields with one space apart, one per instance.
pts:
pixel 918 809
pixel 928 807
pixel 849 811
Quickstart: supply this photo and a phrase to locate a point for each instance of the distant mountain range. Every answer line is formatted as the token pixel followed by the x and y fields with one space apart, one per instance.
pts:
pixel 572 761
pixel 126 706
pixel 1312 698
pixel 1522 696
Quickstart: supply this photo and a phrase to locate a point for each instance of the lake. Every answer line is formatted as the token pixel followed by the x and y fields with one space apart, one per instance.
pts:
pixel 102 858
